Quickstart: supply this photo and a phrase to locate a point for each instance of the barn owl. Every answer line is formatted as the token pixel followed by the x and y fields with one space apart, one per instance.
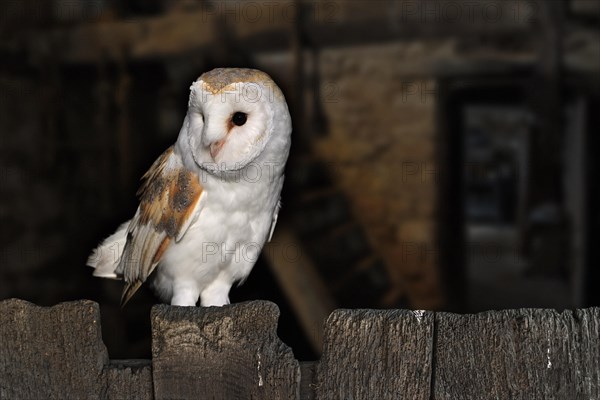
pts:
pixel 209 202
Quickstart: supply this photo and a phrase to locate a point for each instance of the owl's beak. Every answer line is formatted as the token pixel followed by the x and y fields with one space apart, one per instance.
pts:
pixel 215 148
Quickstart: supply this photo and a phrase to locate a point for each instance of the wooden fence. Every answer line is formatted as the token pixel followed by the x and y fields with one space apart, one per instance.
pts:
pixel 234 353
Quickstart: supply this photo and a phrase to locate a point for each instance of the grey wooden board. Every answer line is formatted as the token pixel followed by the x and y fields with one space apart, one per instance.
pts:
pixel 230 352
pixel 369 354
pixel 51 353
pixel 129 379
pixel 518 354
pixel 233 353
pixel 307 380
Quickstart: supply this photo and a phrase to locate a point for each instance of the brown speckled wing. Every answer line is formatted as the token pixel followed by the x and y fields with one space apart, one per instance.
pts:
pixel 169 198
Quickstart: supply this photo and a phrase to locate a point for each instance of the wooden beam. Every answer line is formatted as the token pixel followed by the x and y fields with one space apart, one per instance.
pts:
pixel 546 102
pixel 301 283
pixel 268 26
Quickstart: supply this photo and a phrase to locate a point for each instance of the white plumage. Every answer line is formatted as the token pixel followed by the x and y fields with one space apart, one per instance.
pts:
pixel 209 203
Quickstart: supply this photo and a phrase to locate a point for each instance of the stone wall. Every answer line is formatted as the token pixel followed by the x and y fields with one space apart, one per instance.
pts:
pixel 381 146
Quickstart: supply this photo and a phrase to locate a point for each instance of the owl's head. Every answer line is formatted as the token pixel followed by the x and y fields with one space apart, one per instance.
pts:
pixel 235 116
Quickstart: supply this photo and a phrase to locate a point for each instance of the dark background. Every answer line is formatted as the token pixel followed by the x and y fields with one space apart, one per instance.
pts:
pixel 443 155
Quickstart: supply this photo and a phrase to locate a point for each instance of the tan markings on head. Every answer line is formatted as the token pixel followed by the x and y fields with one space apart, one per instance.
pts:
pixel 224 79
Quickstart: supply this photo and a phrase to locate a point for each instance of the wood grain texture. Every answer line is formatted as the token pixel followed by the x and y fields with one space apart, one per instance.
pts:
pixel 518 354
pixel 129 379
pixel 307 381
pixel 369 354
pixel 51 353
pixel 229 352
pixel 233 352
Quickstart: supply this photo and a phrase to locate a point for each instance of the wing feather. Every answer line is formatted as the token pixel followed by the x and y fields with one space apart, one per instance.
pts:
pixel 274 219
pixel 170 200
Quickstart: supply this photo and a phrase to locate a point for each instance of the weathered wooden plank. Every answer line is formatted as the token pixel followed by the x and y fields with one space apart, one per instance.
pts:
pixel 370 354
pixel 307 380
pixel 233 353
pixel 129 379
pixel 230 352
pixel 51 353
pixel 518 354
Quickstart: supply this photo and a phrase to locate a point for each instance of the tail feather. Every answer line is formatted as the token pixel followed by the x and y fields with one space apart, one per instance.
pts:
pixel 129 291
pixel 105 258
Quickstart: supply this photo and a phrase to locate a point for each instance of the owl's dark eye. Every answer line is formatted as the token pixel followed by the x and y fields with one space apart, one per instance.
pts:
pixel 239 118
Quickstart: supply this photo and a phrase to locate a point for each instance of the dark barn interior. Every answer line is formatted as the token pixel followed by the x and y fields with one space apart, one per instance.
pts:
pixel 443 152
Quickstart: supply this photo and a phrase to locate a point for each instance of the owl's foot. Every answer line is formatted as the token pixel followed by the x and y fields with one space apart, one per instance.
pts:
pixel 184 295
pixel 216 294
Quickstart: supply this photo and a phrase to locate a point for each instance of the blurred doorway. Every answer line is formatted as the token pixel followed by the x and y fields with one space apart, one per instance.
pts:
pixel 498 250
pixel 515 256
